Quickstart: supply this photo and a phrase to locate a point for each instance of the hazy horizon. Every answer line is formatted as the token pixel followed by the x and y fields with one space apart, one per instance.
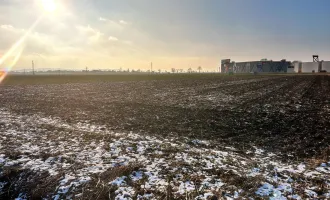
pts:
pixel 108 34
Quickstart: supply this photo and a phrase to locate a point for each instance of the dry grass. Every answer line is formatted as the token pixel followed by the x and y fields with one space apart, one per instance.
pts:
pixel 35 185
pixel 12 154
pixel 98 188
pixel 234 181
pixel 322 158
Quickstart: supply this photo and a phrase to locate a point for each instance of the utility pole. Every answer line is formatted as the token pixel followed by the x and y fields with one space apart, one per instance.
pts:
pixel 32 67
pixel 151 67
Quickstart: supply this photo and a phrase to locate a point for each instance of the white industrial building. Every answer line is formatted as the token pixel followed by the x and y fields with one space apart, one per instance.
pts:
pixel 311 66
pixel 269 66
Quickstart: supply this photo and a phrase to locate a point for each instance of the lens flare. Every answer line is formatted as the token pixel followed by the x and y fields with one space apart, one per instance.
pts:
pixel 4 73
pixel 19 42
pixel 49 5
pixel 18 46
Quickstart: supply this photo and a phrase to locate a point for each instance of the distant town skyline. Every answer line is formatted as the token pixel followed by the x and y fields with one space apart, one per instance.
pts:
pixel 108 34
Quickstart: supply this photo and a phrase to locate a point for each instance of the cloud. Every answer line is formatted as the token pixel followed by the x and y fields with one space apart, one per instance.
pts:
pixel 111 38
pixel 103 19
pixel 6 26
pixel 35 42
pixel 128 42
pixel 123 22
pixel 87 29
pixel 93 35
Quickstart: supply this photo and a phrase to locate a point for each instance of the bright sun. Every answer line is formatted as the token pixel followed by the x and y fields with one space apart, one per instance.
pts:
pixel 49 5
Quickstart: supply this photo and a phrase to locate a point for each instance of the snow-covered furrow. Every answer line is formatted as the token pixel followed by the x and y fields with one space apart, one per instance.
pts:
pixel 187 168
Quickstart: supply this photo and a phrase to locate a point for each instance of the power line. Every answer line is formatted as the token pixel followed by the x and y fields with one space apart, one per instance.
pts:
pixel 32 67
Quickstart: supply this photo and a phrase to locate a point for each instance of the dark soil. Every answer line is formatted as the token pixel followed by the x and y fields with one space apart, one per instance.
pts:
pixel 284 114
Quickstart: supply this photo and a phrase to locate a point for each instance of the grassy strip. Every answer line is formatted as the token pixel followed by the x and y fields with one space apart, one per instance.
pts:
pixel 71 78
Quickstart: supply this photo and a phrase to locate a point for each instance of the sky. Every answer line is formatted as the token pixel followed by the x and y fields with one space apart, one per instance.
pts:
pixel 130 34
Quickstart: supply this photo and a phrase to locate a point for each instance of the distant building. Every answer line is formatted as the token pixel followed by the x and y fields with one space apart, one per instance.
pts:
pixel 308 67
pixel 266 66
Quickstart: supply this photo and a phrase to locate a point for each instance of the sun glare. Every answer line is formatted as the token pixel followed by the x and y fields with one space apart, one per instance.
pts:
pixel 49 5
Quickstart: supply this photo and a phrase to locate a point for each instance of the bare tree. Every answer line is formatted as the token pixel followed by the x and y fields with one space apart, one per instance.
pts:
pixel 173 70
pixel 199 69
